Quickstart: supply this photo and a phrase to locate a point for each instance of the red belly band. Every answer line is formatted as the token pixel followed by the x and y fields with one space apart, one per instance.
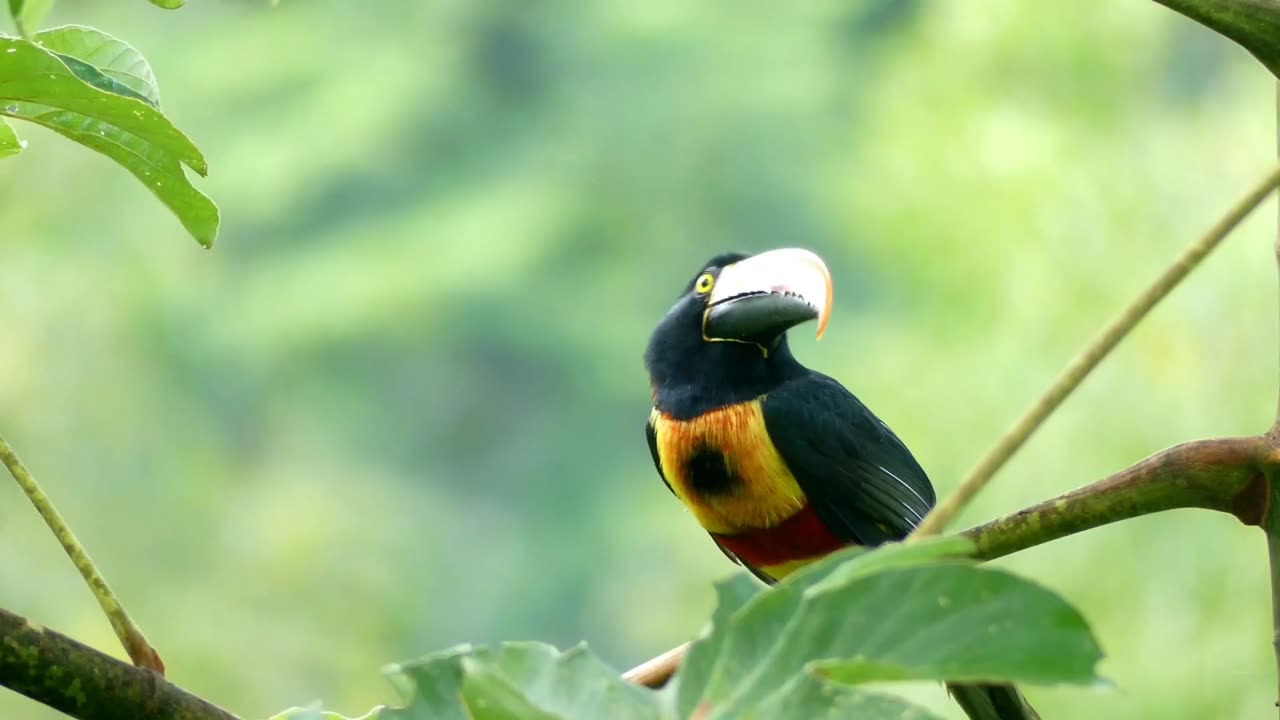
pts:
pixel 799 537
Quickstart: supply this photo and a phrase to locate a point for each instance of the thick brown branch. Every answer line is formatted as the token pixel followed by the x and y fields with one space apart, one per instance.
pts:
pixel 1223 474
pixel 84 683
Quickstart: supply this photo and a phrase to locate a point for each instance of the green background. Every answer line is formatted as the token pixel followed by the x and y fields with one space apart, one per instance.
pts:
pixel 399 405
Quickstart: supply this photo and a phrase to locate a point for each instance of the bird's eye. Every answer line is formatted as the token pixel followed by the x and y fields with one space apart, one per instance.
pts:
pixel 704 284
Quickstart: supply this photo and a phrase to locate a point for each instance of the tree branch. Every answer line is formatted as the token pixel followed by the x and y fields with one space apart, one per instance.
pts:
pixel 53 669
pixel 131 637
pixel 1222 474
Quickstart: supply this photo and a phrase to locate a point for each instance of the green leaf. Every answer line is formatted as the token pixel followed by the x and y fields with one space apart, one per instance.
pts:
pixel 760 622
pixel 126 71
pixel 98 79
pixel 1253 24
pixel 28 13
pixel 809 696
pixel 896 613
pixel 10 145
pixel 695 672
pixel 517 680
pixel 961 623
pixel 573 684
pixel 37 86
pixel 168 4
pixel 432 686
pixel 315 713
pixel 490 696
pixel 894 555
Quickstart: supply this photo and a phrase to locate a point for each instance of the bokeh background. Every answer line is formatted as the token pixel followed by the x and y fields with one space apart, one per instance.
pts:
pixel 399 405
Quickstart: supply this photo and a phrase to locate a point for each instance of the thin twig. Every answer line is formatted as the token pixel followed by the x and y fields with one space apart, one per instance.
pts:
pixel 1275 426
pixel 1270 525
pixel 1087 360
pixel 1273 557
pixel 53 669
pixel 140 651
pixel 656 672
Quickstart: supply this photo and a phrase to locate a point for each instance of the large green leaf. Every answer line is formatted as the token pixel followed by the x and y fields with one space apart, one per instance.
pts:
pixel 517 680
pixel 37 86
pixel 695 672
pixel 1255 24
pixel 811 697
pixel 168 4
pixel 129 72
pixel 432 686
pixel 717 662
pixel 492 696
pixel 573 684
pixel 9 142
pixel 27 14
pixel 896 613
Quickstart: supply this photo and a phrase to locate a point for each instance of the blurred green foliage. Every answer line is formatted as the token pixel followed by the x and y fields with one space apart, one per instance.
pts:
pixel 400 405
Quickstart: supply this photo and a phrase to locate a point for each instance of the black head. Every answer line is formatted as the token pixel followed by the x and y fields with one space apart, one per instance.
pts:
pixel 724 341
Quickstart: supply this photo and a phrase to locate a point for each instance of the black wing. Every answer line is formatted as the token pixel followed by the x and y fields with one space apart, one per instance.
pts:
pixel 860 479
pixel 653 450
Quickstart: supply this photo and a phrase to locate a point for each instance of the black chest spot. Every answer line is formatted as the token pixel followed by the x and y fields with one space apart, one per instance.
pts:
pixel 708 474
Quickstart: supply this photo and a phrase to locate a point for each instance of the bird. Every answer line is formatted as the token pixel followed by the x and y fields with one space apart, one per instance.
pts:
pixel 780 464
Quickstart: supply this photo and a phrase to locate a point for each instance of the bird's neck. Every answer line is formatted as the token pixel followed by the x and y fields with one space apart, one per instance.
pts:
pixel 688 382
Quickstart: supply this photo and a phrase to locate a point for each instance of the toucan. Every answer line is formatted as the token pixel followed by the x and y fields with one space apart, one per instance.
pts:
pixel 780 464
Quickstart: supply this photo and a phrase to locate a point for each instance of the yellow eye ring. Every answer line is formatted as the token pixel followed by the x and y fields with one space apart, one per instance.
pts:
pixel 704 284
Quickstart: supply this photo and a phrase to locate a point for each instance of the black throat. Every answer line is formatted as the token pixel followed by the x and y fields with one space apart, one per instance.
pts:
pixel 690 375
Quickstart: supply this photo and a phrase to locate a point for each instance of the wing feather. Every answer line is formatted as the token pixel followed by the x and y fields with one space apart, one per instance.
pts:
pixel 858 475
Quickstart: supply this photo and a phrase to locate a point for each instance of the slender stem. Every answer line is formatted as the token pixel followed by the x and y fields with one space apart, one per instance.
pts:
pixel 1273 539
pixel 1088 359
pixel 140 651
pixel 1273 555
pixel 656 672
pixel 53 669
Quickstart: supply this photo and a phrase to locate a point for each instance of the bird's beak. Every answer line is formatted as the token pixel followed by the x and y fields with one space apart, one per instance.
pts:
pixel 761 297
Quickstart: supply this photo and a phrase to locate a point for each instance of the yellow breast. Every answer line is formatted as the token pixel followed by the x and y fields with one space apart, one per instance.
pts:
pixel 765 492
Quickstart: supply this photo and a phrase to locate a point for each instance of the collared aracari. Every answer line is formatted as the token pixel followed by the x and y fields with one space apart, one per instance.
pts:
pixel 779 463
